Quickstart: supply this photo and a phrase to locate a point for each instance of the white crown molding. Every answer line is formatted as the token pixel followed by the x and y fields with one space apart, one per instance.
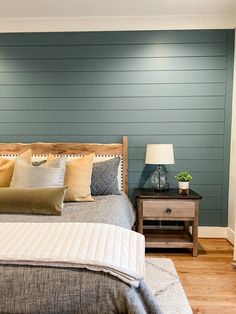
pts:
pixel 117 23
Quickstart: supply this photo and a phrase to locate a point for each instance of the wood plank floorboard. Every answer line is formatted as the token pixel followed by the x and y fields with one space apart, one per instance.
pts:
pixel 209 280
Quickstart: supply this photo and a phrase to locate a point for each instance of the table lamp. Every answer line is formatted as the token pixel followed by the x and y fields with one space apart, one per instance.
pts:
pixel 159 154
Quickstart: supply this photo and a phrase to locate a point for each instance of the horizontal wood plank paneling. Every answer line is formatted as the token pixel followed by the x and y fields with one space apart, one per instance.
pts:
pixel 110 104
pixel 210 217
pixel 137 77
pixel 55 126
pixel 155 87
pixel 204 178
pixel 114 51
pixel 183 153
pixel 178 141
pixel 135 141
pixel 114 64
pixel 197 165
pixel 97 91
pixel 141 116
pixel 106 38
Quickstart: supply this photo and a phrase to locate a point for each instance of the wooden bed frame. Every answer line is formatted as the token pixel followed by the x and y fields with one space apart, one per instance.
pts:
pixel 120 149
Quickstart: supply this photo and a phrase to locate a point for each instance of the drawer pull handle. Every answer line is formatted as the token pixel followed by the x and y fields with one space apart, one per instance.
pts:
pixel 168 210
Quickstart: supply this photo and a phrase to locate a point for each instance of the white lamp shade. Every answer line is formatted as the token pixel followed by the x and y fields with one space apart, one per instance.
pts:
pixel 159 154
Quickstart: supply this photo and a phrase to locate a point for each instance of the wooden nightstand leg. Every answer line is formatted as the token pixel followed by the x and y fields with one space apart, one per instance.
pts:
pixel 195 237
pixel 195 230
pixel 139 216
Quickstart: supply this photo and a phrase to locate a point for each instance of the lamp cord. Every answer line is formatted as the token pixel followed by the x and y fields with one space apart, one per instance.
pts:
pixel 159 177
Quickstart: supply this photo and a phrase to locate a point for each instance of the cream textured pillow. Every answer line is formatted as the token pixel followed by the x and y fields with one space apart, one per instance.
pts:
pixel 78 179
pixel 49 174
pixel 7 168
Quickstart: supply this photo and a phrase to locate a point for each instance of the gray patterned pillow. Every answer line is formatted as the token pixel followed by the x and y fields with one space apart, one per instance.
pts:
pixel 104 177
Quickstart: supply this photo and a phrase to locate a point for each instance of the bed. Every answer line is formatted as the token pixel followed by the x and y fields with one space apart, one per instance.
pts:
pixel 44 289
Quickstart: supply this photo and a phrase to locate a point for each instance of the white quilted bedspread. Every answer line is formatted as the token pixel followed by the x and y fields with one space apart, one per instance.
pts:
pixel 98 247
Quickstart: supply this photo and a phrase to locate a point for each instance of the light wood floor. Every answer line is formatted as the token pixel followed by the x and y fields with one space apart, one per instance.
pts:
pixel 209 280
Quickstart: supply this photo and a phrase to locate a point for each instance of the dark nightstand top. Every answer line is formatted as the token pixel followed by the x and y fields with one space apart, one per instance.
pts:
pixel 169 194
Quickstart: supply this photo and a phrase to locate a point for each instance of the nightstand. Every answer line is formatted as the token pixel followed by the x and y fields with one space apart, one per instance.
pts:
pixel 168 206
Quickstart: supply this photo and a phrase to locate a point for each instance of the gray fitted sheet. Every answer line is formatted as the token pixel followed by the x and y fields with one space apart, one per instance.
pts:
pixel 110 209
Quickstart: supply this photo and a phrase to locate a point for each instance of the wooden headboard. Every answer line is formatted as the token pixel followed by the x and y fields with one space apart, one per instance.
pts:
pixel 120 149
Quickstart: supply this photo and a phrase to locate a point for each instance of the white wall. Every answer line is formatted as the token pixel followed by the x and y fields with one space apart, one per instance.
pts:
pixel 232 175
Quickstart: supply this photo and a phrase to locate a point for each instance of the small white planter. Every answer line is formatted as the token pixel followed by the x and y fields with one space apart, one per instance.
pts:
pixel 183 188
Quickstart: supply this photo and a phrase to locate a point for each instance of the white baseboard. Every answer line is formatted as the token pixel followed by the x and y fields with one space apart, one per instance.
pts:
pixel 212 232
pixel 230 235
pixel 217 232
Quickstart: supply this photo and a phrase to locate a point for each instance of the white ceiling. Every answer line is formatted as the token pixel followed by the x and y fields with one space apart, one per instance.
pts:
pixel 17 15
pixel 116 8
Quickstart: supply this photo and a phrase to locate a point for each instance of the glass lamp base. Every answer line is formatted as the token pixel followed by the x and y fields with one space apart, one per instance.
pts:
pixel 159 180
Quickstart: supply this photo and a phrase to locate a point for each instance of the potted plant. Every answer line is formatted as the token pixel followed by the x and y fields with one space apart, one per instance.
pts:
pixel 183 177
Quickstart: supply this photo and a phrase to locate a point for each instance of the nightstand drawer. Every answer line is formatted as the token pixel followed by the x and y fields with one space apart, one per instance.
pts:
pixel 168 209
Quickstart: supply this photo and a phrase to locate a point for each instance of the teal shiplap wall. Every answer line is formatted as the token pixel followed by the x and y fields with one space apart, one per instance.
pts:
pixel 156 87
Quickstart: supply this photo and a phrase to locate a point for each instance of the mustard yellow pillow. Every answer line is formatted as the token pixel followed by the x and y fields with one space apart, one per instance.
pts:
pixel 7 167
pixel 6 171
pixel 78 179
